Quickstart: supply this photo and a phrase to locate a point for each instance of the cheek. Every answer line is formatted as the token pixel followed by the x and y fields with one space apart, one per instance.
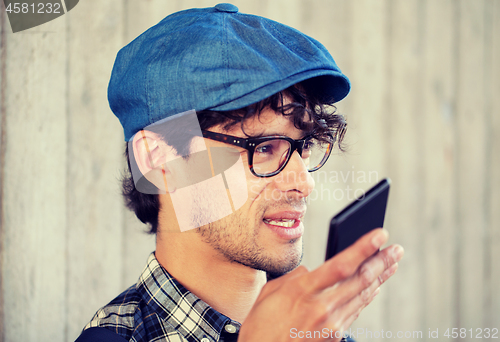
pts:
pixel 254 189
pixel 256 186
pixel 243 187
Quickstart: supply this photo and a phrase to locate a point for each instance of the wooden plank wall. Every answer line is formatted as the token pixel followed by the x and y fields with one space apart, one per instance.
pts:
pixel 424 110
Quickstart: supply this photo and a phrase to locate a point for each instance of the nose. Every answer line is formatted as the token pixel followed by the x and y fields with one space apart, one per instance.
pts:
pixel 295 177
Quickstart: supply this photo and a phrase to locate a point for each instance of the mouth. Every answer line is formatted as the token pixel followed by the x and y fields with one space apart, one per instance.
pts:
pixel 286 225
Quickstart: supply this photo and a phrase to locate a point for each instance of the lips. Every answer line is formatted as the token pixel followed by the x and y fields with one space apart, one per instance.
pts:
pixel 285 215
pixel 286 224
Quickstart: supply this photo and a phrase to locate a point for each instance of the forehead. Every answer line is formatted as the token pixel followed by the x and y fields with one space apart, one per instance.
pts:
pixel 268 122
pixel 265 124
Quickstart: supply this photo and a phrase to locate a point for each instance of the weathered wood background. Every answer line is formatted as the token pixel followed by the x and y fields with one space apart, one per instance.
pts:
pixel 424 110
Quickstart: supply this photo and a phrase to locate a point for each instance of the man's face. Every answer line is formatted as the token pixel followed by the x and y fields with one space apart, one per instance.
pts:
pixel 266 232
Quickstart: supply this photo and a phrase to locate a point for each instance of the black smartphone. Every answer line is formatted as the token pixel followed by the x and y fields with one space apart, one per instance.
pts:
pixel 358 218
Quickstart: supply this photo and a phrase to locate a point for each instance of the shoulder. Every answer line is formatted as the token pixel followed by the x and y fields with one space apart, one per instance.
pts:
pixel 122 315
pixel 132 318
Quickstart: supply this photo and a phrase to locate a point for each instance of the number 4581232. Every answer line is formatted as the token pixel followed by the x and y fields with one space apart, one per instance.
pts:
pixel 477 333
pixel 40 8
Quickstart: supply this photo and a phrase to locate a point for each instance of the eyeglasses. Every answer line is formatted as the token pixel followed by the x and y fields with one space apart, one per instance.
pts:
pixel 268 156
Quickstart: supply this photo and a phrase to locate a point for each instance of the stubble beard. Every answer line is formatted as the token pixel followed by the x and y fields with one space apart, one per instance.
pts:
pixel 236 238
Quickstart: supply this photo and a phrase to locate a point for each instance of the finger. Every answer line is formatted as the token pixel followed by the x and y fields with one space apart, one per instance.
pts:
pixel 347 262
pixel 386 275
pixel 366 296
pixel 371 271
pixel 350 319
pixel 370 274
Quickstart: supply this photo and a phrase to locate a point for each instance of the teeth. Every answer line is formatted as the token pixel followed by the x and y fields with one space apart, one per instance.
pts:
pixel 282 223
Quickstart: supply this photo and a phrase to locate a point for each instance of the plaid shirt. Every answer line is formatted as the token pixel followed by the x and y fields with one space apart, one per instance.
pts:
pixel 158 308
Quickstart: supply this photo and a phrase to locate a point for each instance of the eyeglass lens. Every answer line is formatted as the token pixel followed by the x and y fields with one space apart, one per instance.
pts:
pixel 271 155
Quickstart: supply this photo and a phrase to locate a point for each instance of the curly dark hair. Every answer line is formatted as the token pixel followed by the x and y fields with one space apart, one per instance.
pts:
pixel 308 113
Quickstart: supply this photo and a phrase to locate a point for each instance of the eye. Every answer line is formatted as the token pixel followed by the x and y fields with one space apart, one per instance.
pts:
pixel 264 148
pixel 309 144
pixel 271 149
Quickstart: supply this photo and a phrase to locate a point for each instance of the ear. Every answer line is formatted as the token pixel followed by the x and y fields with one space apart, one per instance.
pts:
pixel 151 154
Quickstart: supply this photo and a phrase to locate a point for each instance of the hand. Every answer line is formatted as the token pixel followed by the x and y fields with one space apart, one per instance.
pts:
pixel 326 300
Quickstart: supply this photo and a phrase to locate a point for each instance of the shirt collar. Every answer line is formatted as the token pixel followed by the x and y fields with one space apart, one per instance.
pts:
pixel 178 307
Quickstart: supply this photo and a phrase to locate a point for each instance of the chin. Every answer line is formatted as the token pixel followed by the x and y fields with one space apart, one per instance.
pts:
pixel 292 260
pixel 278 272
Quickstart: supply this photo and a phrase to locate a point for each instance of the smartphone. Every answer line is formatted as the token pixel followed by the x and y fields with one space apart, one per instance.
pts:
pixel 358 218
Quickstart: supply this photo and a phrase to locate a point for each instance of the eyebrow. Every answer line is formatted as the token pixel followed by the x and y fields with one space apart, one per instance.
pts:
pixel 268 134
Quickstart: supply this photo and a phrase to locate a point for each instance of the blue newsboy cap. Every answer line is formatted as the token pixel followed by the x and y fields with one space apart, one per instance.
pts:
pixel 215 58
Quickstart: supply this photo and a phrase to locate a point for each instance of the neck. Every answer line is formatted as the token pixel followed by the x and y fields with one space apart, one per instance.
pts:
pixel 228 287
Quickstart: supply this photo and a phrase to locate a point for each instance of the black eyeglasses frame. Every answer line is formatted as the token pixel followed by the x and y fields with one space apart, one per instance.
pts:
pixel 250 144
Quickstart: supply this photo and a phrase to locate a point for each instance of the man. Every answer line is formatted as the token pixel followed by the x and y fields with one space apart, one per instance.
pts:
pixel 226 115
